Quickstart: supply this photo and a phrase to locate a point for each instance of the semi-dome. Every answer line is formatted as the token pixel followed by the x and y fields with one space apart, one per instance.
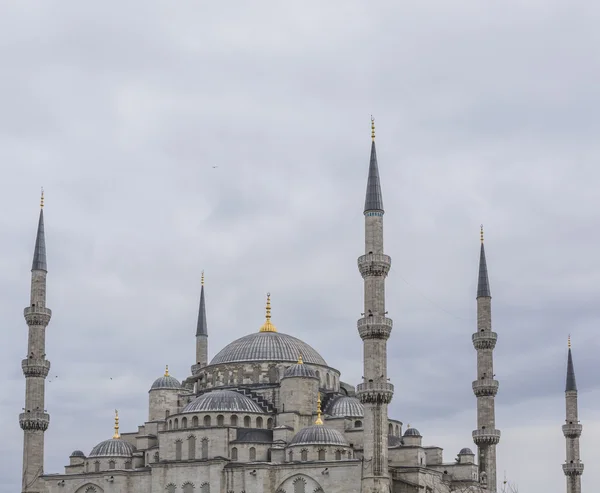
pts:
pixel 318 435
pixel 412 432
pixel 115 447
pixel 347 407
pixel 299 370
pixel 166 382
pixel 77 453
pixel 466 451
pixel 224 401
pixel 267 346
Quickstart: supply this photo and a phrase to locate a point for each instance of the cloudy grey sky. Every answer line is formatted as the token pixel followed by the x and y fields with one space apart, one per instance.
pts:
pixel 486 113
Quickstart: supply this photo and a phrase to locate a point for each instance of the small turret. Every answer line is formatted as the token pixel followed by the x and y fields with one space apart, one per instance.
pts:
pixel 163 398
pixel 297 382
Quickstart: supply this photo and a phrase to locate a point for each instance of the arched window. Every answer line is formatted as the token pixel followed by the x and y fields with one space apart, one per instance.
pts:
pixel 397 431
pixel 338 455
pixel 259 422
pixel 299 485
pixel 167 412
pixel 321 454
pixel 319 377
pixel 127 464
pixel 206 420
pixel 273 374
pixel 270 423
pixel 304 455
pixel 205 448
pixel 170 424
pixel 234 453
pixel 234 420
pixel 178 450
pixel 205 488
pixel 349 454
pixel 191 447
pixel 175 424
pixel 246 421
pixel 252 454
pixel 97 466
pixel 195 422
pixel 111 464
pixel 171 488
pixel 220 420
pixel 390 429
pixel 358 423
pixel 188 488
pixel 291 456
pixel 256 374
pixel 156 457
pixel 184 423
pixel 328 380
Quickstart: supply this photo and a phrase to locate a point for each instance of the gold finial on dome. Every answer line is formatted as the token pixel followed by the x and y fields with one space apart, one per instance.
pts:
pixel 300 362
pixel 372 128
pixel 319 421
pixel 202 279
pixel 42 199
pixel 268 326
pixel 481 232
pixel 569 341
pixel 167 371
pixel 116 435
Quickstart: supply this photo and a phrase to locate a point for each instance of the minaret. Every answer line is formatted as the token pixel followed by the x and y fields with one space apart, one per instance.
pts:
pixel 485 388
pixel 573 468
pixel 202 332
pixel 374 328
pixel 34 420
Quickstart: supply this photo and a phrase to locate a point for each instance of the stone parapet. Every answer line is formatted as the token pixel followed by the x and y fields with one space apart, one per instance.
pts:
pixel 375 392
pixel 485 387
pixel 37 315
pixel 573 468
pixel 375 327
pixel 572 430
pixel 34 420
pixel 486 437
pixel 485 340
pixel 374 264
pixel 35 367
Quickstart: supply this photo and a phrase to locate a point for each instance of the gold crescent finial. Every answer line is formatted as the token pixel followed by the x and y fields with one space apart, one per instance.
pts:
pixel 268 326
pixel 42 199
pixel 569 341
pixel 481 232
pixel 372 128
pixel 300 362
pixel 167 371
pixel 116 435
pixel 202 279
pixel 319 421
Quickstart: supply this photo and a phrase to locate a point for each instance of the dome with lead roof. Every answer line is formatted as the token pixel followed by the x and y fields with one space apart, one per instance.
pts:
pixel 299 370
pixel 318 435
pixel 77 453
pixel 115 447
pixel 347 407
pixel 412 432
pixel 466 451
pixel 223 401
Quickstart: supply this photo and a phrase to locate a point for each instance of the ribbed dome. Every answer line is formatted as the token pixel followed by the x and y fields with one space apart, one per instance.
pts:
pixel 77 453
pixel 412 432
pixel 166 382
pixel 347 407
pixel 466 451
pixel 115 447
pixel 299 370
pixel 267 346
pixel 318 435
pixel 223 400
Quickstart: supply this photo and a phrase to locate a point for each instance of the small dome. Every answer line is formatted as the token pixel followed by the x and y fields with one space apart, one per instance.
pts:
pixel 466 451
pixel 347 407
pixel 318 435
pixel 166 382
pixel 77 453
pixel 223 400
pixel 412 432
pixel 115 447
pixel 299 370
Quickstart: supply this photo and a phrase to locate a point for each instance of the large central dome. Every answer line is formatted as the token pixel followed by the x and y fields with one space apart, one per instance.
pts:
pixel 267 346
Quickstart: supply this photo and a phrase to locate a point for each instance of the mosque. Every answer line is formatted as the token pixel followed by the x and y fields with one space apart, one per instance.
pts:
pixel 267 414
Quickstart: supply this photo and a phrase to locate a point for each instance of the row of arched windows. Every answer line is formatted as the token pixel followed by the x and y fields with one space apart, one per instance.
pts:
pixel 188 488
pixel 111 465
pixel 322 455
pixel 251 454
pixel 393 430
pixel 174 424
pixel 272 376
pixel 191 448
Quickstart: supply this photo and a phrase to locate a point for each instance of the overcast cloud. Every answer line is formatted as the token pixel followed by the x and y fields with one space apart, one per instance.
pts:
pixel 486 113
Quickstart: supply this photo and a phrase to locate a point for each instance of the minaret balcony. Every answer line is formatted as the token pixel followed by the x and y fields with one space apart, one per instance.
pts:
pixel 375 392
pixel 573 468
pixel 35 367
pixel 374 327
pixel 37 316
pixel 572 430
pixel 485 339
pixel 34 420
pixel 486 437
pixel 485 387
pixel 374 264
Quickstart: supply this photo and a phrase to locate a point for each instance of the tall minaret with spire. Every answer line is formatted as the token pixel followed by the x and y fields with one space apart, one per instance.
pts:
pixel 202 331
pixel 573 468
pixel 485 388
pixel 34 420
pixel 374 328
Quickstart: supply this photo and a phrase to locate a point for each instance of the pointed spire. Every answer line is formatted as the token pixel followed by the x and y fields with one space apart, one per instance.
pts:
pixel 116 435
pixel 268 326
pixel 319 421
pixel 571 383
pixel 373 199
pixel 202 329
pixel 167 371
pixel 39 251
pixel 483 286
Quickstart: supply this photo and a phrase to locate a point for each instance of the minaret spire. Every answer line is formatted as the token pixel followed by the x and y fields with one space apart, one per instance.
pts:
pixel 485 388
pixel 375 392
pixel 202 330
pixel 34 420
pixel 573 467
